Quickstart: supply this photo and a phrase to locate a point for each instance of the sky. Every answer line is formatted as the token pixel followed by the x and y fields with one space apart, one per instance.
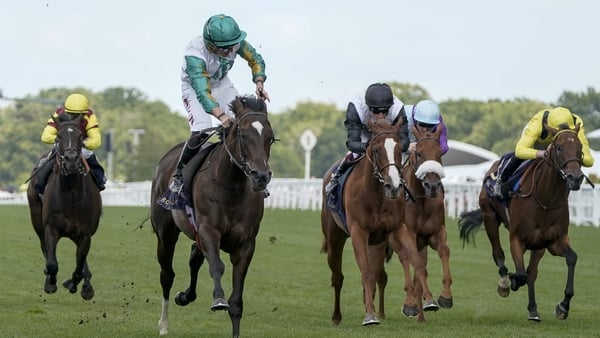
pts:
pixel 315 50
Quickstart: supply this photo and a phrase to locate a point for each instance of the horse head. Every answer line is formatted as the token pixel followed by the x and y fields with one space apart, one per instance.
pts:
pixel 385 154
pixel 565 154
pixel 427 160
pixel 68 143
pixel 249 140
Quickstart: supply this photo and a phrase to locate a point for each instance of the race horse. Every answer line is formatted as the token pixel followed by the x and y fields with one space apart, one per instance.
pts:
pixel 227 199
pixel 425 212
pixel 70 206
pixel 371 213
pixel 537 217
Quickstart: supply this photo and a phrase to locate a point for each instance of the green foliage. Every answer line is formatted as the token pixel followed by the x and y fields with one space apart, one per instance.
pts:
pixel 494 125
pixel 288 289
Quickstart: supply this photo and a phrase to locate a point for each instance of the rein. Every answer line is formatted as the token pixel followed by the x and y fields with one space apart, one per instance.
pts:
pixel 552 161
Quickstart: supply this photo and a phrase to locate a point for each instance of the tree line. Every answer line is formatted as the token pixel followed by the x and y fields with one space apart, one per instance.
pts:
pixel 493 124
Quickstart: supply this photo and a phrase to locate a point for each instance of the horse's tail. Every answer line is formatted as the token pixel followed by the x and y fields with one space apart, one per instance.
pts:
pixel 324 247
pixel 388 253
pixel 468 224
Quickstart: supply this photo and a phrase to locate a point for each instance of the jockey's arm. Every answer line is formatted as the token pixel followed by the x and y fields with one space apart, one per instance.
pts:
pixel 94 136
pixel 354 129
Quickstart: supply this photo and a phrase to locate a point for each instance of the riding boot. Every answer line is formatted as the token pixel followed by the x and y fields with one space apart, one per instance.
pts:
pixel 341 169
pixel 501 188
pixel 97 172
pixel 190 149
pixel 45 168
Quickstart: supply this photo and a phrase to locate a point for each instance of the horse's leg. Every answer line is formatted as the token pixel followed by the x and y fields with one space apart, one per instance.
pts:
pixel 418 259
pixel 377 258
pixel 195 262
pixel 360 243
pixel 87 290
pixel 443 250
pixel 532 273
pixel 409 307
pixel 83 248
pixel 210 246
pixel 240 260
pixel 50 241
pixel 517 250
pixel 492 224
pixel 561 311
pixel 165 250
pixel 335 239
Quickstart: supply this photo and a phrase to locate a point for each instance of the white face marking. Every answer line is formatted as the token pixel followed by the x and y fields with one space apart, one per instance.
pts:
pixel 394 174
pixel 258 126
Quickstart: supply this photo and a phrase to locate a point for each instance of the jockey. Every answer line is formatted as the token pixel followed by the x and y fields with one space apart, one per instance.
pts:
pixel 535 140
pixel 426 114
pixel 74 104
pixel 377 101
pixel 206 88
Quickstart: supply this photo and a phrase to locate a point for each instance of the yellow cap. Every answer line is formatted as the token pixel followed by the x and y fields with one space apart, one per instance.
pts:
pixel 76 103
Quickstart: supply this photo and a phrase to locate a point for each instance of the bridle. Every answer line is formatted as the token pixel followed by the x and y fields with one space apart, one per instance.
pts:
pixel 242 163
pixel 70 149
pixel 373 159
pixel 554 161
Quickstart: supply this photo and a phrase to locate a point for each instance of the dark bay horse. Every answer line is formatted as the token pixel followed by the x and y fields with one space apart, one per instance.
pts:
pixel 227 196
pixel 373 202
pixel 537 218
pixel 70 207
pixel 425 212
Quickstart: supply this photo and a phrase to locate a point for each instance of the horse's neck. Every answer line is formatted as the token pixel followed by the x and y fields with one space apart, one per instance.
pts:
pixel 549 185
pixel 226 169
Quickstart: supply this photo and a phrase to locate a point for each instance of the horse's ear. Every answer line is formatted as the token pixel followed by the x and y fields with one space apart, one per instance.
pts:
pixel 577 128
pixel 236 105
pixel 550 130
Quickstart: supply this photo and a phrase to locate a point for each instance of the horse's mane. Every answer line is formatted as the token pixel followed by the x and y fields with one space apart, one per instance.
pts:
pixel 248 101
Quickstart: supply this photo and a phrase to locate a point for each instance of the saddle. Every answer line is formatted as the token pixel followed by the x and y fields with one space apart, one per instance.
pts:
pixel 335 196
pixel 184 200
pixel 512 183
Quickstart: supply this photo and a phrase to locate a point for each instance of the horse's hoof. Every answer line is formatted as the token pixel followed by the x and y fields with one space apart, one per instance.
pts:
pixel 410 311
pixel 69 285
pixel 444 302
pixel 87 292
pixel 370 320
pixel 430 305
pixel 181 299
pixel 503 292
pixel 219 304
pixel 534 316
pixel 560 312
pixel 50 288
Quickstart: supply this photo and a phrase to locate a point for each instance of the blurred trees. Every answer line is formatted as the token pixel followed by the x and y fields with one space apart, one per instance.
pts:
pixel 494 125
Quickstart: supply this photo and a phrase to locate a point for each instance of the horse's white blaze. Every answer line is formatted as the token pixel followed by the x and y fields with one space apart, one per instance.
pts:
pixel 258 126
pixel 430 166
pixel 394 174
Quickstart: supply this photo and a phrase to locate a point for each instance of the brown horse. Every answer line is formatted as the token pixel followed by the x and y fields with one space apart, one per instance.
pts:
pixel 425 212
pixel 373 203
pixel 70 207
pixel 227 206
pixel 537 218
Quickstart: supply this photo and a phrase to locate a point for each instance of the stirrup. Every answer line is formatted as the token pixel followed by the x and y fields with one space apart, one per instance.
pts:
pixel 176 185
pixel 331 185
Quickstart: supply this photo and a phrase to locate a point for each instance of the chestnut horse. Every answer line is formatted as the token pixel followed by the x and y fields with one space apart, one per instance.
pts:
pixel 425 212
pixel 373 203
pixel 70 207
pixel 537 218
pixel 226 210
